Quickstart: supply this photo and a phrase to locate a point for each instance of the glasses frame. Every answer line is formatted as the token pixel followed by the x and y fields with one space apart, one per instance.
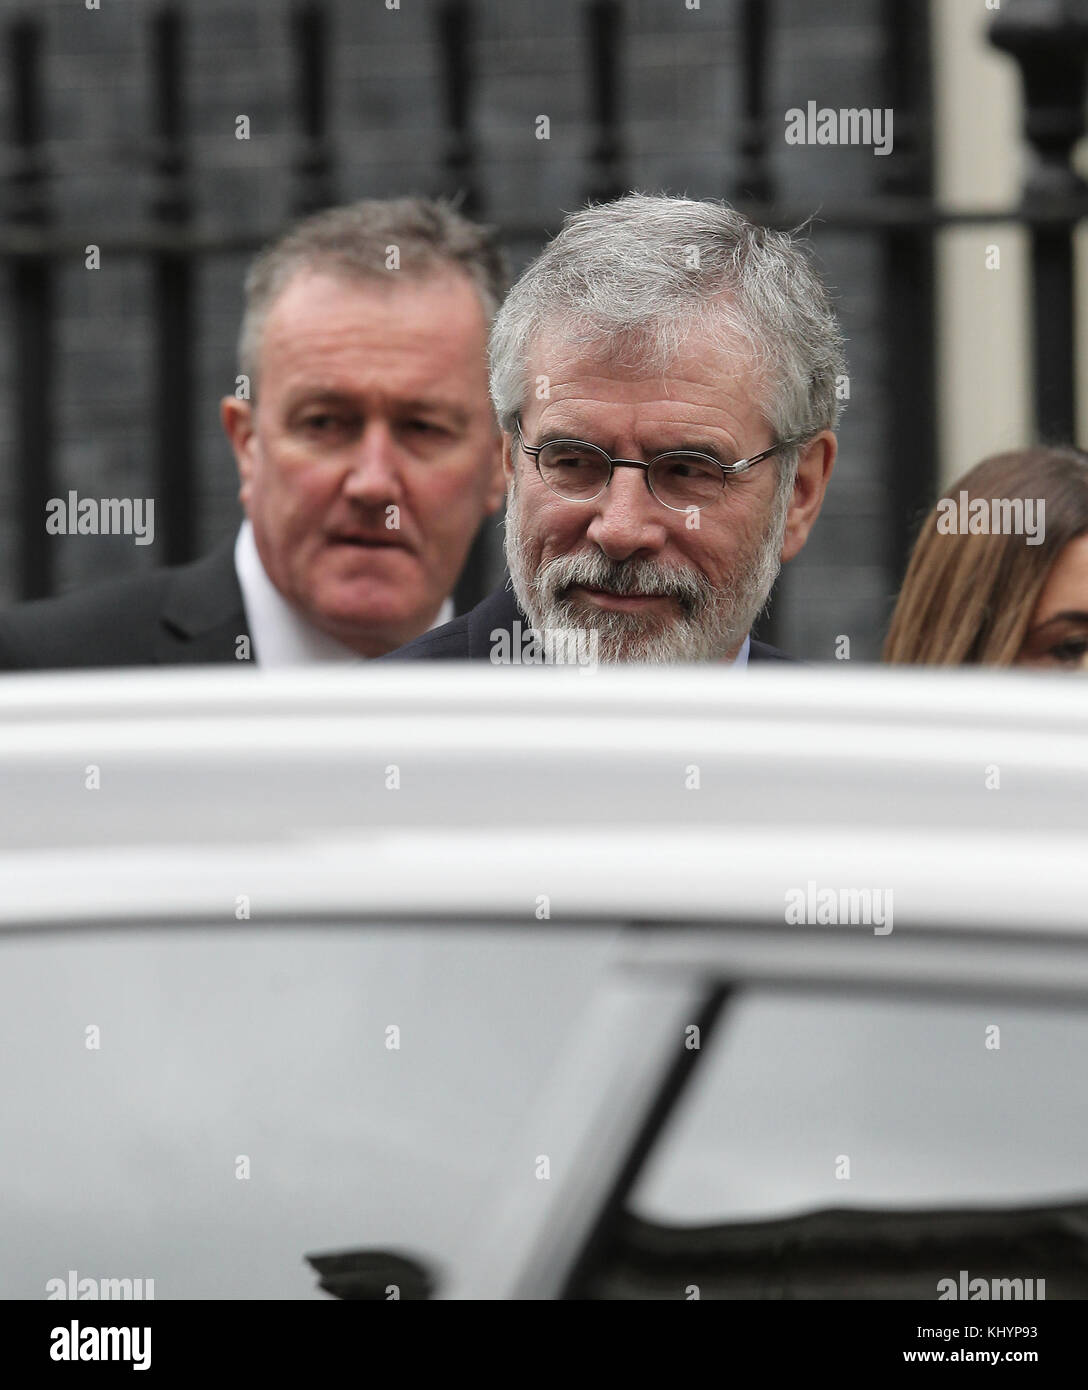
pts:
pixel 728 470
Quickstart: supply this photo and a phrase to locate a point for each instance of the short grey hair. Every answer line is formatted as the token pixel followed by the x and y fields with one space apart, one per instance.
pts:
pixel 355 240
pixel 635 276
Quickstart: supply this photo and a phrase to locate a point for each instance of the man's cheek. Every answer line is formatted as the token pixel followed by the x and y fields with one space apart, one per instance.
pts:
pixel 550 541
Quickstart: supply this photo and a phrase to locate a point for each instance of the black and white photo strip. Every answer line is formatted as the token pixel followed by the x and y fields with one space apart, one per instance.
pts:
pixel 543 674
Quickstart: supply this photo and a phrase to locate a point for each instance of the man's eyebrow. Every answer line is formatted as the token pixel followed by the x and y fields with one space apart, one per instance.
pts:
pixel 331 395
pixel 550 436
pixel 326 396
pixel 696 446
pixel 453 410
pixel 707 446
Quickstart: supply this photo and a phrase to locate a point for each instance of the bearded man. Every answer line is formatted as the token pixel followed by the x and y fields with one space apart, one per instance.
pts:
pixel 665 377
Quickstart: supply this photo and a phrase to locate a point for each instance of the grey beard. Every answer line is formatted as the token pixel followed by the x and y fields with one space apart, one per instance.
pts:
pixel 713 621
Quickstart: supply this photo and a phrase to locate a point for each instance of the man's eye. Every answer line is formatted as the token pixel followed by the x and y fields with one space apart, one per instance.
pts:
pixel 322 422
pixel 426 427
pixel 572 462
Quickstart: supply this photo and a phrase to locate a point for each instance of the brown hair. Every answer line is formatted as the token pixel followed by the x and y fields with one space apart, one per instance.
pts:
pixel 355 240
pixel 968 599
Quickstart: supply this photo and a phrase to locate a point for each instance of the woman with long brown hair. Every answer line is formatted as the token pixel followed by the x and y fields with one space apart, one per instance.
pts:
pixel 999 572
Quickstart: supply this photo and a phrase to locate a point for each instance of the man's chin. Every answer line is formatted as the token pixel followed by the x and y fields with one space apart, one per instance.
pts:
pixel 367 607
pixel 622 635
pixel 654 637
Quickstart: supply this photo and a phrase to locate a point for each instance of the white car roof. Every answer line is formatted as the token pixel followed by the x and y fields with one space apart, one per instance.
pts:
pixel 674 795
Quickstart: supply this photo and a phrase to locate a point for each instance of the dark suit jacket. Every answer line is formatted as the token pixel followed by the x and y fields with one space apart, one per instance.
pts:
pixel 190 613
pixel 468 637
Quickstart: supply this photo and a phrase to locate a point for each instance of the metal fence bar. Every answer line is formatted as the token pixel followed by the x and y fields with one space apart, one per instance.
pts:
pixel 1051 46
pixel 459 172
pixel 459 179
pixel 753 184
pixel 33 312
pixel 889 212
pixel 172 280
pixel 909 274
pixel 313 170
pixel 755 181
pixel 604 54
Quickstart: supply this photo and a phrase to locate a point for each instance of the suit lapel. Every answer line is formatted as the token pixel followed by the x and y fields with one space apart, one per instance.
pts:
pixel 499 610
pixel 202 614
pixel 760 651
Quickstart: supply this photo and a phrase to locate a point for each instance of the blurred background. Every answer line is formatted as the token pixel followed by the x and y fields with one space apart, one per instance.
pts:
pixel 953 259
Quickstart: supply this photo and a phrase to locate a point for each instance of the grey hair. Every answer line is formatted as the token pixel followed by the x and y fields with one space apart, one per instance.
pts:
pixel 636 276
pixel 355 241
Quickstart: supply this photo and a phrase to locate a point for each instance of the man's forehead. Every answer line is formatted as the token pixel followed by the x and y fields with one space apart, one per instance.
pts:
pixel 580 387
pixel 630 368
pixel 310 283
pixel 321 304
pixel 327 330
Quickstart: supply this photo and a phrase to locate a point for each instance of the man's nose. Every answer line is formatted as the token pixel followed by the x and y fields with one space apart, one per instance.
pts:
pixel 628 518
pixel 374 472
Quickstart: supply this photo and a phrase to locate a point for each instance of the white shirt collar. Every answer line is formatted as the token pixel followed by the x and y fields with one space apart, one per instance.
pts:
pixel 281 636
pixel 741 658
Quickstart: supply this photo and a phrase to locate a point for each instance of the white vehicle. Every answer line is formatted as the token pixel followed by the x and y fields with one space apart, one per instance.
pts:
pixel 487 983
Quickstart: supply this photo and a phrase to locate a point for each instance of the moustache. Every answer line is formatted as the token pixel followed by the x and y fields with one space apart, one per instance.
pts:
pixel 691 590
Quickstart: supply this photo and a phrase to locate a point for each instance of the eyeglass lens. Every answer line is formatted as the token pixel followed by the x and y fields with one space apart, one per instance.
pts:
pixel 579 472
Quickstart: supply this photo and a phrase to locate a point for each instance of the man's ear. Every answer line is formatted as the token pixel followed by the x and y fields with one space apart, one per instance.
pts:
pixel 238 424
pixel 813 474
pixel 508 458
pixel 496 483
